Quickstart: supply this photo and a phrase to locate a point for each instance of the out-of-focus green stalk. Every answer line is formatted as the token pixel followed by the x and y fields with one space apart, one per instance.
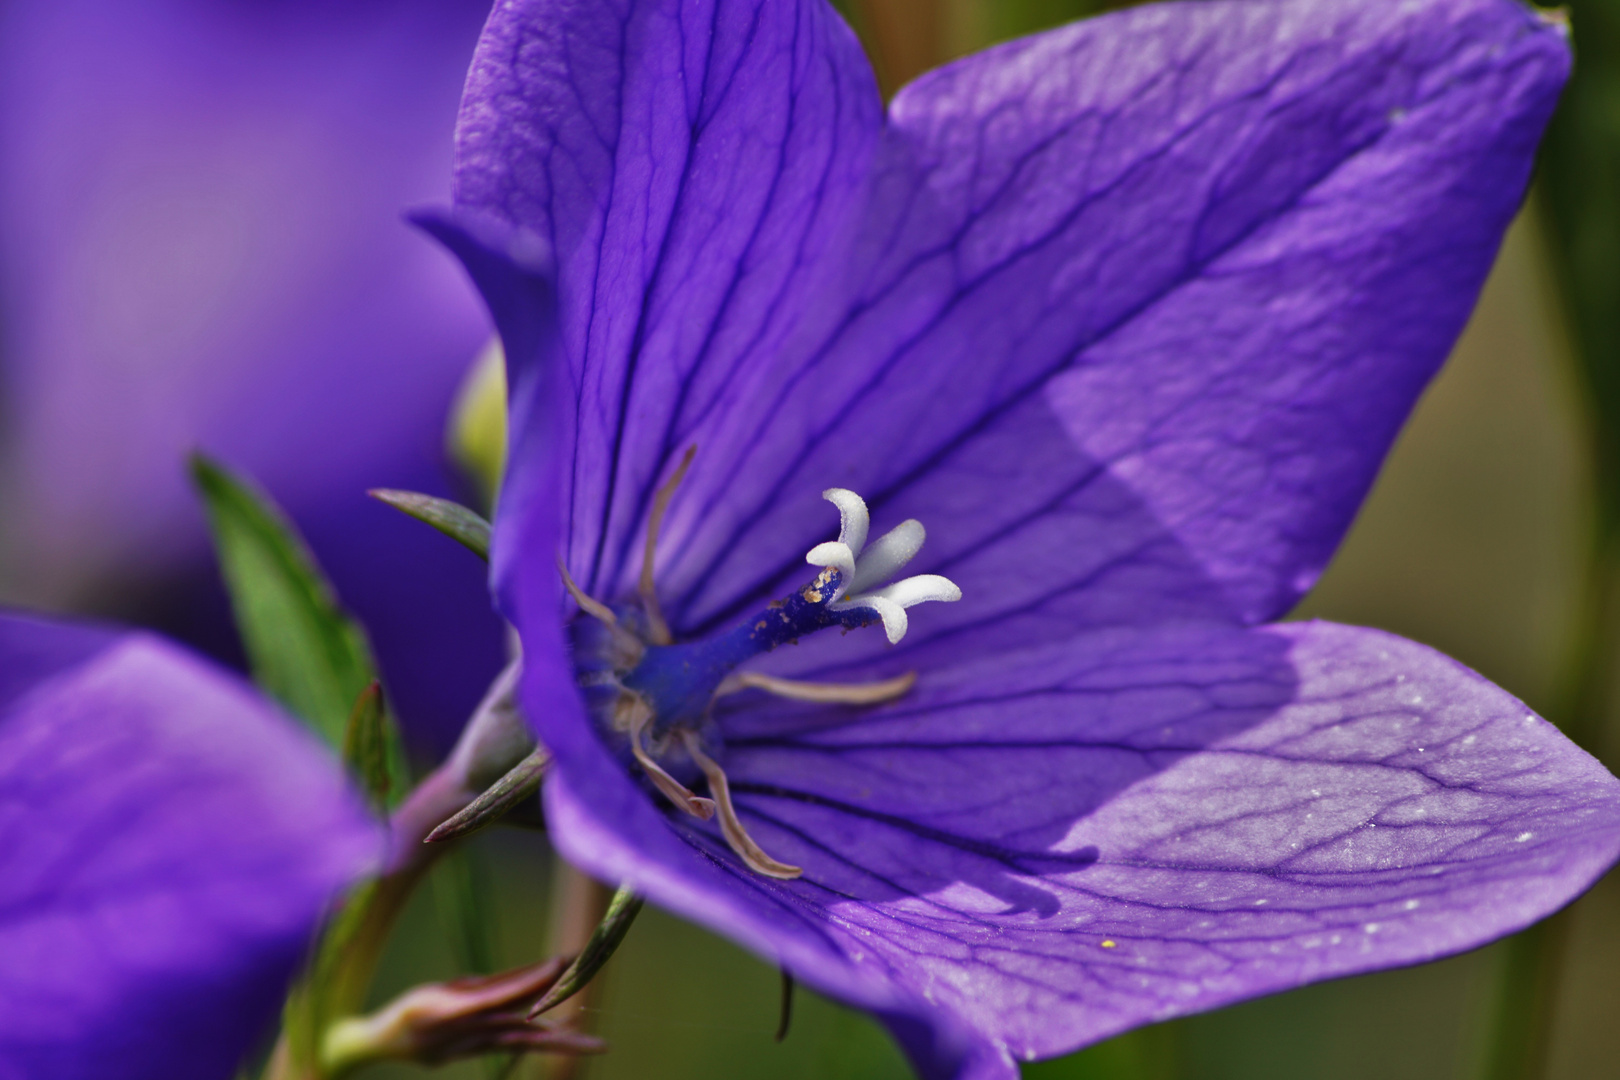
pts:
pixel 579 904
pixel 1580 203
pixel 1580 195
pixel 903 38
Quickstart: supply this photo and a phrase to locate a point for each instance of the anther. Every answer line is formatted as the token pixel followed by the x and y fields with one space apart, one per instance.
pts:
pixel 872 693
pixel 636 715
pixel 657 627
pixel 736 836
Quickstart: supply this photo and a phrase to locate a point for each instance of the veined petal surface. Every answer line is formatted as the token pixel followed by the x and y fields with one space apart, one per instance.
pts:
pixel 171 840
pixel 1206 252
pixel 1051 847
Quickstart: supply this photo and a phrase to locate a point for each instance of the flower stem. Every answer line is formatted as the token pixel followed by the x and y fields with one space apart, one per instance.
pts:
pixel 352 946
pixel 494 741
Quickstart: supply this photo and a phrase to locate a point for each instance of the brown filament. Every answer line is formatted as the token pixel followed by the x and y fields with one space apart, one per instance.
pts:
pixel 657 628
pixel 730 825
pixel 872 693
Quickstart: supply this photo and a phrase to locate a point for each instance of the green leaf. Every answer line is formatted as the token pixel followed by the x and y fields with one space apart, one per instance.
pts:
pixel 303 648
pixel 450 518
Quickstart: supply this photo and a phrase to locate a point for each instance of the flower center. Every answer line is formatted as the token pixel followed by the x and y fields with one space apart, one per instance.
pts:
pixel 654 696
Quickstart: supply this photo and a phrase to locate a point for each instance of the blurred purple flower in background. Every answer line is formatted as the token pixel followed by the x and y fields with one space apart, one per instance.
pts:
pixel 1128 315
pixel 171 840
pixel 200 246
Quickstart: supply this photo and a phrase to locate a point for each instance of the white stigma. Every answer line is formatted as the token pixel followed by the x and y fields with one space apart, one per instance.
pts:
pixel 866 569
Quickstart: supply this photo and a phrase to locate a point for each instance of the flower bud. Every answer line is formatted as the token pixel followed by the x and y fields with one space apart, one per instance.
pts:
pixel 441 1022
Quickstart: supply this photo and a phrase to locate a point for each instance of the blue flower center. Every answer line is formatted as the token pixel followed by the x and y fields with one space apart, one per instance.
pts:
pixel 678 682
pixel 652 697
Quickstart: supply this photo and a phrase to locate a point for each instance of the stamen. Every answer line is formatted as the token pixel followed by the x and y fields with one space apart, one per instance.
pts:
pixel 730 825
pixel 657 628
pixel 626 644
pixel 589 605
pixel 872 693
pixel 639 716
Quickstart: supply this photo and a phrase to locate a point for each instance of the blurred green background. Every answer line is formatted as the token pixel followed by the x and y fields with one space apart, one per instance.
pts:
pixel 1491 536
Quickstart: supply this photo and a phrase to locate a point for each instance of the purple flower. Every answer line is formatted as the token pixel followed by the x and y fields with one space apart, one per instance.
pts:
pixel 201 246
pixel 1126 314
pixel 170 841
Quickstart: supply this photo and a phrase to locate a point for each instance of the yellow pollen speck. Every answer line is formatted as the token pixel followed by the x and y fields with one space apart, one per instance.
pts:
pixel 1109 944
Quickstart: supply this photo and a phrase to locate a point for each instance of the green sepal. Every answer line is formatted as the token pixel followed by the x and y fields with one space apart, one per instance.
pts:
pixel 450 518
pixel 303 649
pixel 509 791
pixel 605 941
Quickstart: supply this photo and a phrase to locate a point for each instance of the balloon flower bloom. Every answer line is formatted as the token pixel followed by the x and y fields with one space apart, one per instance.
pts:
pixel 1125 315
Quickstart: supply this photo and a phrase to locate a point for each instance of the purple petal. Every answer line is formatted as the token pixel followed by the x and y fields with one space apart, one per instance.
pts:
pixel 170 842
pixel 1198 259
pixel 1234 812
pixel 200 205
pixel 1195 259
pixel 687 162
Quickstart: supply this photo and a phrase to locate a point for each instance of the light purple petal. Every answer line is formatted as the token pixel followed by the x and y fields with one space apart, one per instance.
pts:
pixel 170 841
pixel 1236 811
pixel 1129 318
